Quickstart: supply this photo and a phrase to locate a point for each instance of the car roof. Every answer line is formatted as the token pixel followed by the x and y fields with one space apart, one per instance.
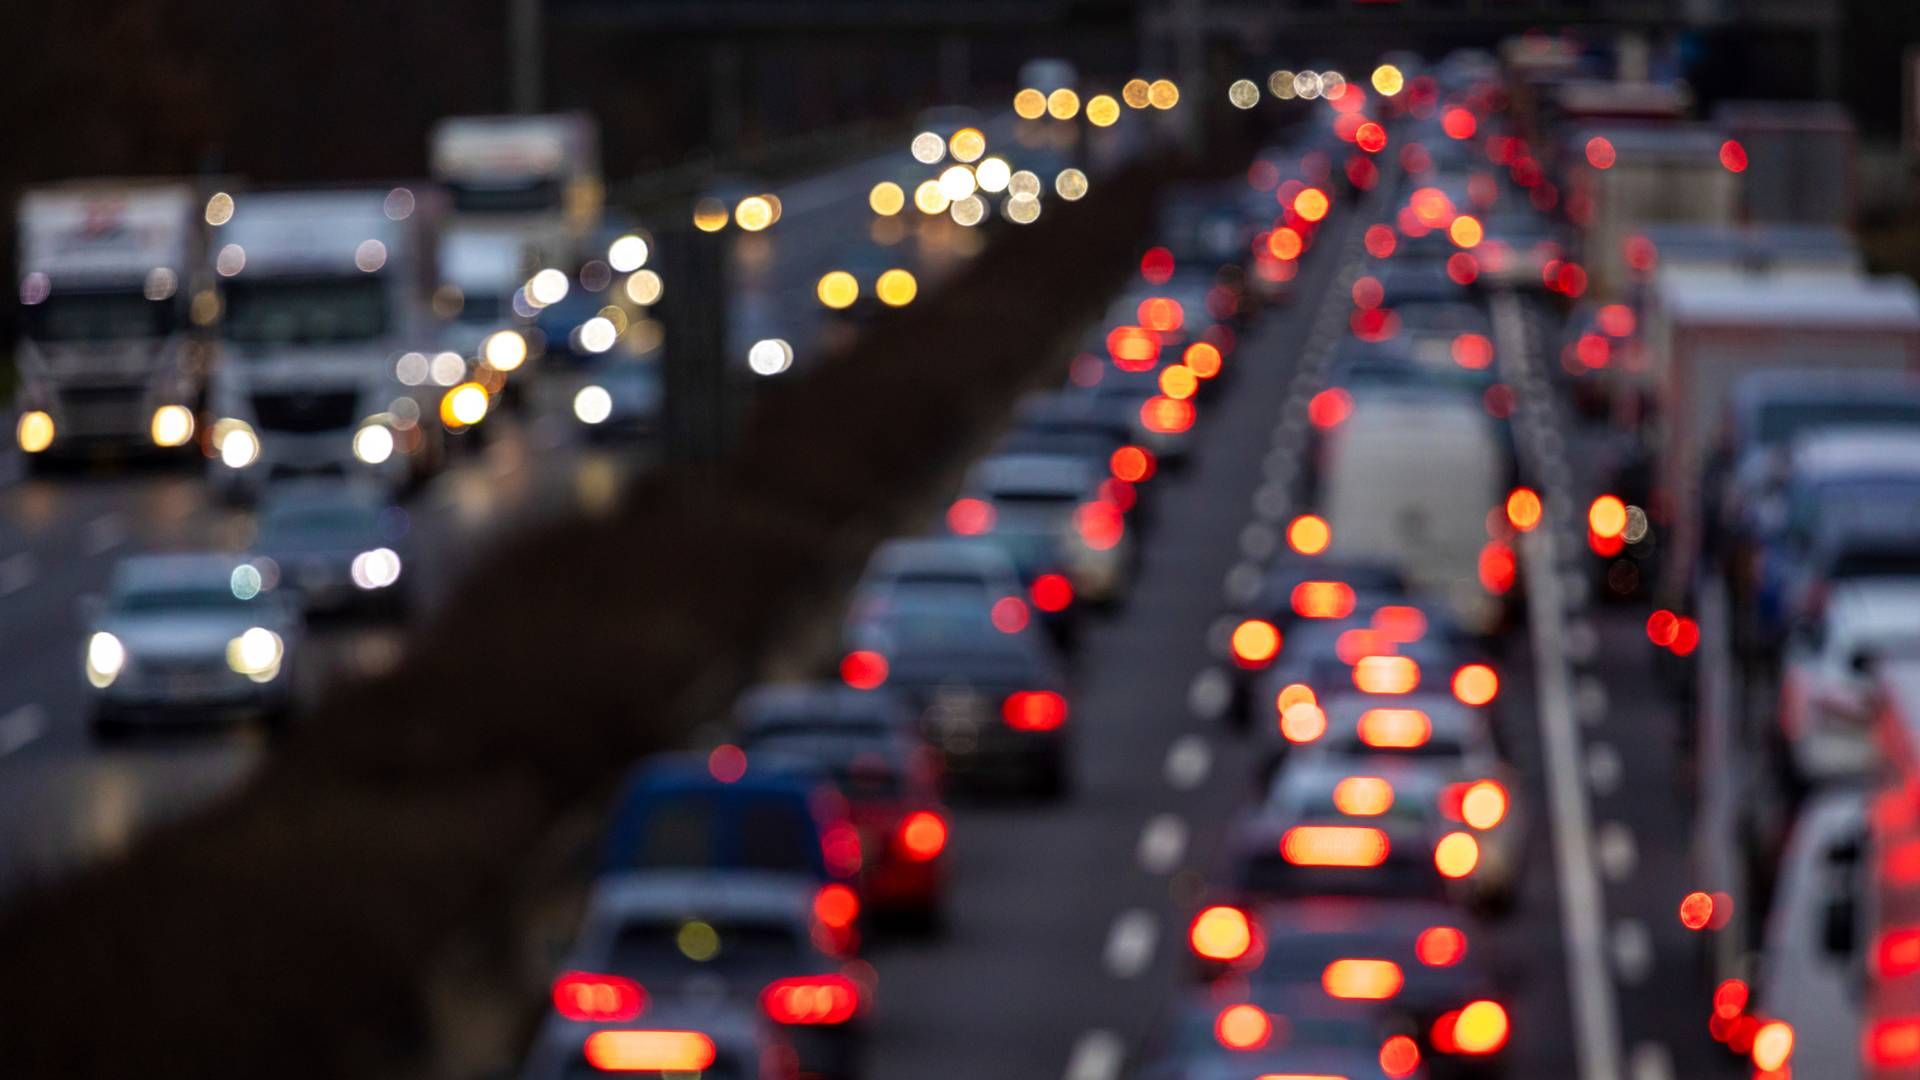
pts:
pixel 1015 474
pixel 942 555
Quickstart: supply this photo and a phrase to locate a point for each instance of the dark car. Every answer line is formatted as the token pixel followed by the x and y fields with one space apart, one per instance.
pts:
pixel 335 546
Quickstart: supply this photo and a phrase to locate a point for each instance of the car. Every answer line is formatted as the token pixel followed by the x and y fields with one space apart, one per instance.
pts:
pixel 1047 512
pixel 1282 1030
pixel 1318 662
pixel 1132 397
pixel 1426 964
pixel 990 698
pixel 608 1024
pixel 747 937
pixel 969 566
pixel 1439 796
pixel 336 546
pixel 868 741
pixel 1826 676
pixel 1863 542
pixel 1428 726
pixel 190 638
pixel 726 811
pixel 1297 589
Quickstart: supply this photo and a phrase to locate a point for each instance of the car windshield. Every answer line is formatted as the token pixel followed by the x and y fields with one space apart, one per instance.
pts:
pixel 1782 421
pixel 857 760
pixel 1890 498
pixel 98 316
pixel 691 831
pixel 305 312
pixel 178 598
pixel 682 946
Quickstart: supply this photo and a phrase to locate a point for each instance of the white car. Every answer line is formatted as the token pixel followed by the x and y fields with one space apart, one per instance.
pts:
pixel 1826 681
pixel 190 638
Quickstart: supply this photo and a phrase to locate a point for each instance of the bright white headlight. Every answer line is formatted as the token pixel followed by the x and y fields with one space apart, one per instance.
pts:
pixel 256 653
pixel 105 657
pixel 593 404
pixel 505 350
pixel 373 443
pixel 239 447
pixel 376 569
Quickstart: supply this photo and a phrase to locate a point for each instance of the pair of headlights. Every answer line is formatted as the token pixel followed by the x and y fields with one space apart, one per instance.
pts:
pixel 257 653
pixel 239 445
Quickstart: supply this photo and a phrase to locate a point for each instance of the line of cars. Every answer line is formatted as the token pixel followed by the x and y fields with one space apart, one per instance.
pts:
pixel 1345 928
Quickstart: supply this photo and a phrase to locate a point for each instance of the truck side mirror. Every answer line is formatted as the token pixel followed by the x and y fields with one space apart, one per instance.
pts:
pixel 1838 926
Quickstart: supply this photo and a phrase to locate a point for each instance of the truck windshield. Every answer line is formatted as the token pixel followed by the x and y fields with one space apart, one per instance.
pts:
pixel 99 316
pixel 305 312
pixel 506 196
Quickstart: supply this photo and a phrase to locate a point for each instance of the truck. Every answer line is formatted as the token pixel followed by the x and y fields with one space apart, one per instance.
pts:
pixel 1626 179
pixel 108 356
pixel 1801 160
pixel 1708 327
pixel 323 314
pixel 535 176
pixel 479 270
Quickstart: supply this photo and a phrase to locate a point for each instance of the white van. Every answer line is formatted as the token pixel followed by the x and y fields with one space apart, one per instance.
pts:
pixel 1813 975
pixel 1410 479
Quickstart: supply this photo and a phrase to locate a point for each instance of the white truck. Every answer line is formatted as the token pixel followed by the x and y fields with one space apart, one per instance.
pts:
pixel 535 176
pixel 479 270
pixel 322 311
pixel 1625 179
pixel 108 357
pixel 1708 327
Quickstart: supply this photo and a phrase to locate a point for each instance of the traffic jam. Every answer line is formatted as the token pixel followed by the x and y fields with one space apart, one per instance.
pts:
pixel 1557 711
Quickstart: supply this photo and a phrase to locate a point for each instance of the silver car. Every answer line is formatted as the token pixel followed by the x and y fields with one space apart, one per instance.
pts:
pixel 190 638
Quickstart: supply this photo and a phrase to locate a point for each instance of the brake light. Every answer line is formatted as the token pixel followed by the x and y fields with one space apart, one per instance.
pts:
pixel 1607 517
pixel 1363 796
pixel 1395 729
pixel 1166 416
pixel 1482 804
pixel 1696 910
pixel 1893 1042
pixel 1294 694
pixel 863 669
pixel 1472 351
pixel 1133 348
pixel 1897 952
pixel 1353 646
pixel 836 906
pixel 1399 1057
pixel 1323 600
pixel 1034 710
pixel 1456 855
pixel 1303 722
pixel 1480 1028
pixel 1476 684
pixel 840 848
pixel 1523 509
pixel 1686 637
pixel 1334 845
pixel 649 1051
pixel 1440 946
pixel 1243 1027
pixel 1204 359
pixel 1100 525
pixel 1400 624
pixel 811 1000
pixel 1386 674
pixel 1009 615
pixel 586 995
pixel 1329 407
pixel 1221 933
pixel 727 763
pixel 1051 593
pixel 1309 534
pixel 1773 1046
pixel 1255 643
pixel 1157 265
pixel 1498 568
pixel 1730 998
pixel 1362 980
pixel 1662 627
pixel 1131 463
pixel 1117 493
pixel 1161 313
pixel 923 835
pixel 1178 381
pixel 970 517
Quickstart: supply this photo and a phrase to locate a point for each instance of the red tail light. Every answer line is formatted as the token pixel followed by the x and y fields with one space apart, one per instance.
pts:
pixel 840 847
pixel 1243 1027
pixel 1498 568
pixel 649 1051
pixel 1897 952
pixel 1133 348
pixel 1334 845
pixel 1363 796
pixel 1255 643
pixel 586 995
pixel 1481 804
pixel 1479 1029
pixel 1456 855
pixel 1399 1057
pixel 1221 933
pixel 1730 998
pixel 1386 675
pixel 1034 710
pixel 1166 416
pixel 1329 407
pixel 1323 600
pixel 1662 627
pixel 1472 351
pixel 923 836
pixel 1131 463
pixel 1157 265
pixel 1355 645
pixel 811 1000
pixel 1440 946
pixel 863 669
pixel 1686 637
pixel 1399 624
pixel 1607 516
pixel 1476 684
pixel 1395 729
pixel 1118 494
pixel 1100 525
pixel 1051 593
pixel 836 906
pixel 1362 980
pixel 970 517
pixel 1464 269
pixel 1009 614
pixel 1893 1042
pixel 1161 313
pixel 1204 358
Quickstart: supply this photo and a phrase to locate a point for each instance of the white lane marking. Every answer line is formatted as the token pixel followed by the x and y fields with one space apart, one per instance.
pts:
pixel 106 532
pixel 1604 768
pixel 1590 699
pixel 1581 639
pixel 1596 1012
pixel 1209 693
pixel 20 727
pixel 1188 761
pixel 1130 943
pixel 1632 950
pixel 1096 1056
pixel 1618 852
pixel 1270 502
pixel 16 573
pixel 1651 1061
pixel 1258 540
pixel 1242 584
pixel 1163 843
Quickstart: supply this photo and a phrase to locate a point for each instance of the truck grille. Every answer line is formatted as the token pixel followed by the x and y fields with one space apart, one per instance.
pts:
pixel 302 412
pixel 103 410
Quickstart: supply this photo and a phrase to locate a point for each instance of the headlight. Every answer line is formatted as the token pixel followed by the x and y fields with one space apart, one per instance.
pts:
pixel 105 657
pixel 504 350
pixel 464 405
pixel 376 569
pixel 256 654
pixel 172 425
pixel 35 431
pixel 239 447
pixel 593 404
pixel 373 443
